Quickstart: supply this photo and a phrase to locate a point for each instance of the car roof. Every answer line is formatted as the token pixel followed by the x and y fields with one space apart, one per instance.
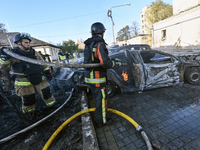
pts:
pixel 130 47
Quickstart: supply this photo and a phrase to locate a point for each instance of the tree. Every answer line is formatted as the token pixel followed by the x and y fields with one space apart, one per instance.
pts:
pixel 135 29
pixel 2 29
pixel 69 45
pixel 123 34
pixel 156 12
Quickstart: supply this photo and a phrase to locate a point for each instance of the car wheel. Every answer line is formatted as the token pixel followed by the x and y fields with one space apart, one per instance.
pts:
pixel 110 88
pixel 192 75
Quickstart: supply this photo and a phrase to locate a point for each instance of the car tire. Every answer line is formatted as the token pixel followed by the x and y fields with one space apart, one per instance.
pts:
pixel 110 88
pixel 192 75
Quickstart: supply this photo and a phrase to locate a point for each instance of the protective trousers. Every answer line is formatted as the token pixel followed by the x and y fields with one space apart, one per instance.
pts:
pixel 99 94
pixel 27 93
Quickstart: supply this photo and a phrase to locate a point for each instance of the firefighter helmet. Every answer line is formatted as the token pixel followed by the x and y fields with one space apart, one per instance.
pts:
pixel 21 36
pixel 97 28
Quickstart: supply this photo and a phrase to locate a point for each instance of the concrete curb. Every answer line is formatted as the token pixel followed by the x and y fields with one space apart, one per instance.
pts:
pixel 89 135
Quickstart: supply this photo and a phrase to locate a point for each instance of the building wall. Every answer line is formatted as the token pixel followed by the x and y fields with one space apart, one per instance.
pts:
pixel 143 20
pixel 181 5
pixel 53 52
pixel 182 30
pixel 141 39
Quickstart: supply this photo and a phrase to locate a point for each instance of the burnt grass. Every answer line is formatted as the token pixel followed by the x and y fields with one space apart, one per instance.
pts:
pixel 11 122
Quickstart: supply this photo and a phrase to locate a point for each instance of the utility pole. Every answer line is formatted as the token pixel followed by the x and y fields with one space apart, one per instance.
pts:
pixel 110 15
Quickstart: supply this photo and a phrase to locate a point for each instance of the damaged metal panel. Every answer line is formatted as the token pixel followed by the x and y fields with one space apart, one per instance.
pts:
pixel 157 74
pixel 138 75
pixel 136 69
pixel 142 70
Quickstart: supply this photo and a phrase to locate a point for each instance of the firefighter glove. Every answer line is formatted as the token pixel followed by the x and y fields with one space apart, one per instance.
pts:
pixel 47 73
pixel 3 55
pixel 118 62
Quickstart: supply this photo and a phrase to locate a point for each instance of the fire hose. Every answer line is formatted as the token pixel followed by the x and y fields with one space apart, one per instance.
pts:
pixel 137 126
pixel 40 62
pixel 37 123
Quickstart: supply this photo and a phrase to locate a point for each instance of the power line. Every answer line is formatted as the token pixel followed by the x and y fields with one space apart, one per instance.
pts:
pixel 61 35
pixel 105 20
pixel 122 18
pixel 52 36
pixel 59 19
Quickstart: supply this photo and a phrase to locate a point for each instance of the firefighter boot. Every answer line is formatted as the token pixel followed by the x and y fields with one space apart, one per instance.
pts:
pixel 109 121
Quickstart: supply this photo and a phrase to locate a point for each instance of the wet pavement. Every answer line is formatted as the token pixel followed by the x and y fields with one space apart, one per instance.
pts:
pixel 169 116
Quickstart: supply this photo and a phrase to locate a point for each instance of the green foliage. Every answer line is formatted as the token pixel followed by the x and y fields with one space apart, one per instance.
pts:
pixel 70 46
pixel 157 11
pixel 123 34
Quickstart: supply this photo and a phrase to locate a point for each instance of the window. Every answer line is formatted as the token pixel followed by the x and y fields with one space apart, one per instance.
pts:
pixel 163 35
pixel 152 57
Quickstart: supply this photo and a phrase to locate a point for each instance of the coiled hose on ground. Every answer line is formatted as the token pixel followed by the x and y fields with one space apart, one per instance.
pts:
pixel 137 126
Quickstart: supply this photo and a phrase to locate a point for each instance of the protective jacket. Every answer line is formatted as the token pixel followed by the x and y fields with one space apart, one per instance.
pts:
pixel 96 52
pixel 25 73
pixel 28 79
pixel 61 56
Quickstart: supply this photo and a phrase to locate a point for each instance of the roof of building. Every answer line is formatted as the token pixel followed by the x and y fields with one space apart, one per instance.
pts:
pixel 34 42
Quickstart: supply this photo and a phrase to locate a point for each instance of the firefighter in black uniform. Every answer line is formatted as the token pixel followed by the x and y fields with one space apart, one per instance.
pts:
pixel 96 52
pixel 28 77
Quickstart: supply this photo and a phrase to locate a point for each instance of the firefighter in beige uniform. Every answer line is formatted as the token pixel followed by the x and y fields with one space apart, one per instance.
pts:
pixel 28 77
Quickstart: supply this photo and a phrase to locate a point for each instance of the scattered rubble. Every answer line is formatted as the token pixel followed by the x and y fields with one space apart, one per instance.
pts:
pixel 11 122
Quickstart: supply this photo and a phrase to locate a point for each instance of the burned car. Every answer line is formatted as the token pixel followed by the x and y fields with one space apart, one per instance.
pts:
pixel 149 69
pixel 130 47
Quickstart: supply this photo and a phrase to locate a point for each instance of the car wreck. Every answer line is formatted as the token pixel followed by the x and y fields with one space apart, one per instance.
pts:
pixel 132 47
pixel 144 70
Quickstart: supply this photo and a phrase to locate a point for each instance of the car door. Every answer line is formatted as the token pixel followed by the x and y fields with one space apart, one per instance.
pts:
pixel 134 60
pixel 161 69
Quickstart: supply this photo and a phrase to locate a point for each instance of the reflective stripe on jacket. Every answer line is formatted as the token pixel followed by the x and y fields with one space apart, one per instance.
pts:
pixel 94 81
pixel 5 63
pixel 25 83
pixel 96 52
pixel 47 68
